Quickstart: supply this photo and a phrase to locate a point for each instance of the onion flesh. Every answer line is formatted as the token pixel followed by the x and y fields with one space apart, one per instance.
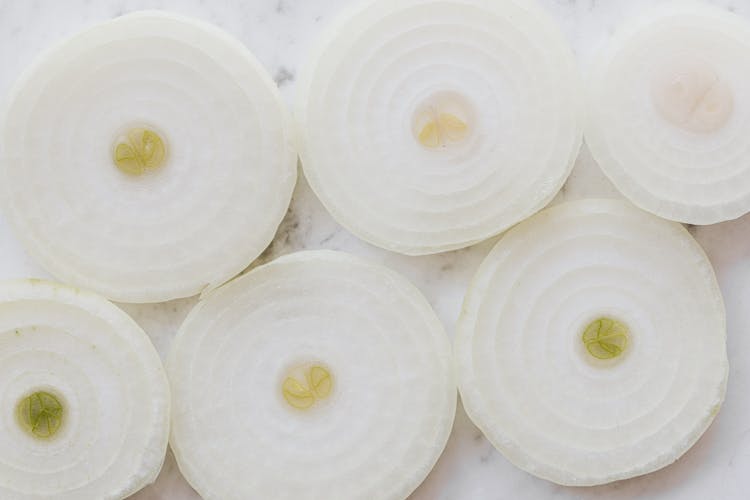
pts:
pixel 592 343
pixel 148 158
pixel 85 400
pixel 426 126
pixel 668 108
pixel 318 374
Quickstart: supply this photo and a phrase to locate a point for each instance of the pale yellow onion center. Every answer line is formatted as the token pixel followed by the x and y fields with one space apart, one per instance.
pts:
pixel 139 150
pixel 304 386
pixel 441 129
pixel 442 120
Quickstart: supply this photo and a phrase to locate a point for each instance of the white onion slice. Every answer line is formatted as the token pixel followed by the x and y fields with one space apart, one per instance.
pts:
pixel 426 126
pixel 318 375
pixel 102 387
pixel 574 411
pixel 669 113
pixel 192 219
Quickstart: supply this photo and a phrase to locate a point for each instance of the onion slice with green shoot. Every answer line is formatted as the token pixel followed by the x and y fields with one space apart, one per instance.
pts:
pixel 426 126
pixel 84 400
pixel 318 375
pixel 147 158
pixel 592 343
pixel 669 113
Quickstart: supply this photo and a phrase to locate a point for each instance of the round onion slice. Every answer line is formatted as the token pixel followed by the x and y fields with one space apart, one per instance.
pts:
pixel 147 158
pixel 669 113
pixel 318 374
pixel 84 398
pixel 426 126
pixel 592 343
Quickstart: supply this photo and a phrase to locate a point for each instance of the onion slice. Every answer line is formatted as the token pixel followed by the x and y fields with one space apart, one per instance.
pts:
pixel 318 374
pixel 147 158
pixel 592 343
pixel 84 397
pixel 669 113
pixel 426 126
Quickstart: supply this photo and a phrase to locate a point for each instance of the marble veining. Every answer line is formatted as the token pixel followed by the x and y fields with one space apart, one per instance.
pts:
pixel 279 32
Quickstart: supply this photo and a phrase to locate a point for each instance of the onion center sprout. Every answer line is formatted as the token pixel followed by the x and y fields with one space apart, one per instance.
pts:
pixel 40 414
pixel 139 150
pixel 441 120
pixel 302 388
pixel 605 338
pixel 440 129
pixel 691 95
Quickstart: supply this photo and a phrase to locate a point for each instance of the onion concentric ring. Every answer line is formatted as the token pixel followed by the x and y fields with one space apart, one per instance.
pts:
pixel 430 125
pixel 669 113
pixel 318 375
pixel 84 400
pixel 146 158
pixel 568 410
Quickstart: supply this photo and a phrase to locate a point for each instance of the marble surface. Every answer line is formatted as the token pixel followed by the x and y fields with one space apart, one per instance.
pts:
pixel 278 32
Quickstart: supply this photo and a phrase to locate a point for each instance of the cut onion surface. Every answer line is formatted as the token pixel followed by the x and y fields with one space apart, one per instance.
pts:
pixel 430 125
pixel 84 407
pixel 318 375
pixel 669 113
pixel 147 158
pixel 592 343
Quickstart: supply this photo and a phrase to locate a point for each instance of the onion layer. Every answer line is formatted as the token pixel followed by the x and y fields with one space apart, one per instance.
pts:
pixel 592 343
pixel 318 375
pixel 84 398
pixel 147 158
pixel 669 113
pixel 427 126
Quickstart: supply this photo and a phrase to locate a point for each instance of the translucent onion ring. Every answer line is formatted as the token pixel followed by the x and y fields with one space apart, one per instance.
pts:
pixel 101 381
pixel 147 158
pixel 592 343
pixel 426 126
pixel 318 375
pixel 669 113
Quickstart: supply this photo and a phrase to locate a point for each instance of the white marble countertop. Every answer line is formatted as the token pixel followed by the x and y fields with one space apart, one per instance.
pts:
pixel 278 32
